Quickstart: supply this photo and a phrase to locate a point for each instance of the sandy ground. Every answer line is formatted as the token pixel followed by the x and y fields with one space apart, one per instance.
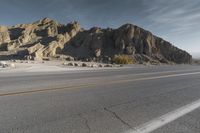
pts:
pixel 55 66
pixel 46 66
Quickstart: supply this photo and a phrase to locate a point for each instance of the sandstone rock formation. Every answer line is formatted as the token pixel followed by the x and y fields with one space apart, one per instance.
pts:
pixel 47 38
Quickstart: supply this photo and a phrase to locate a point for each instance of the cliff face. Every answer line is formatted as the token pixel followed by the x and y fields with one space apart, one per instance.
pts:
pixel 48 38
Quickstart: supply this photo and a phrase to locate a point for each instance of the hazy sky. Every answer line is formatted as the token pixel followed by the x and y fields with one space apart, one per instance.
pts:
pixel 177 21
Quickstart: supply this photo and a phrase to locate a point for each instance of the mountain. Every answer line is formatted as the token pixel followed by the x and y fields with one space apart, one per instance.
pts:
pixel 47 38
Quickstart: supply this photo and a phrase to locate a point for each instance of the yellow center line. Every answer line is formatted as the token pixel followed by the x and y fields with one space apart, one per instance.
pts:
pixel 47 89
pixel 95 84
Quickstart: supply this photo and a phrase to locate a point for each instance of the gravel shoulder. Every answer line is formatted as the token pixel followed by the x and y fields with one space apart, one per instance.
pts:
pixel 53 66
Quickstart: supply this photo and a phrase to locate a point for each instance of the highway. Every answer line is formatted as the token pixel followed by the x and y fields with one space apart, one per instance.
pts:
pixel 157 99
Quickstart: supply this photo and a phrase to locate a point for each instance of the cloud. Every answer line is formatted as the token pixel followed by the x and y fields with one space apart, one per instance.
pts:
pixel 175 17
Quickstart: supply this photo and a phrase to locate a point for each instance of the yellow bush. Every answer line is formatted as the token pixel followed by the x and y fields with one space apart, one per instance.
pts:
pixel 123 59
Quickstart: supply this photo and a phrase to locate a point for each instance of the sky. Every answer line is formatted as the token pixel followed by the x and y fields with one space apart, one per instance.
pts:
pixel 177 21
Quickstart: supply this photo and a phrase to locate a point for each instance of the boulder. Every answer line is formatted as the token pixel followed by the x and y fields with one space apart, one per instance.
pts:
pixel 70 64
pixel 77 64
pixel 108 65
pixel 84 65
pixel 98 53
pixel 3 64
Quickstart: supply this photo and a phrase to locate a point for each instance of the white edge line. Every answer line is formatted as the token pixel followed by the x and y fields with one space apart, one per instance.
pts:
pixel 167 118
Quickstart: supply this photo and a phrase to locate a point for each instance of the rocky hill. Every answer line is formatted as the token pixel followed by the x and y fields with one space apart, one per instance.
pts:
pixel 47 39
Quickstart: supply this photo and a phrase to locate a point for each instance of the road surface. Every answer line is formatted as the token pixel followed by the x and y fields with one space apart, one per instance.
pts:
pixel 158 99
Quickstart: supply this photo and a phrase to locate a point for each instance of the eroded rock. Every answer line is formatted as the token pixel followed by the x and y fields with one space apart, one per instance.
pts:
pixel 47 38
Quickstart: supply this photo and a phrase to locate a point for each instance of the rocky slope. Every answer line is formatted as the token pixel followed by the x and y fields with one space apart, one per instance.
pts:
pixel 47 38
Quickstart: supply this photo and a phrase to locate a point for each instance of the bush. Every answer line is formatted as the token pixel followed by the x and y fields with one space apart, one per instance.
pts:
pixel 123 59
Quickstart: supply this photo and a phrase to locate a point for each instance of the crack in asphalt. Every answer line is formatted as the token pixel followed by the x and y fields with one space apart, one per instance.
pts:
pixel 86 123
pixel 146 98
pixel 118 117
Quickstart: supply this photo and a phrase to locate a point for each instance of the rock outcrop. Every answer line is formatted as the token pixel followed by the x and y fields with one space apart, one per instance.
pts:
pixel 47 38
pixel 4 37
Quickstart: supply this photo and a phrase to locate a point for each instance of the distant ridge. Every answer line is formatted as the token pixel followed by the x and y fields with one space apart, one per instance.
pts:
pixel 47 38
pixel 196 55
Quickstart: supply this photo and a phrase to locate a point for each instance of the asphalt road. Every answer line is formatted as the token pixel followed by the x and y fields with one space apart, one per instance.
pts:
pixel 121 100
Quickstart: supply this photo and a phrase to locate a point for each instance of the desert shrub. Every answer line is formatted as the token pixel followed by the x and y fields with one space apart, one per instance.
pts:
pixel 196 61
pixel 123 59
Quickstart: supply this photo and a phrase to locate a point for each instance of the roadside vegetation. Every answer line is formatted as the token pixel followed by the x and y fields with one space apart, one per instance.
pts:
pixel 123 59
pixel 196 61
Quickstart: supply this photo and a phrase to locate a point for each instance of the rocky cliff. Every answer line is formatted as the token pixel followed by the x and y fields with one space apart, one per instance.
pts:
pixel 47 38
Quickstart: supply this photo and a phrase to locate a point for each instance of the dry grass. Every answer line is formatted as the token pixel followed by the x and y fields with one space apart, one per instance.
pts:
pixel 123 59
pixel 196 61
